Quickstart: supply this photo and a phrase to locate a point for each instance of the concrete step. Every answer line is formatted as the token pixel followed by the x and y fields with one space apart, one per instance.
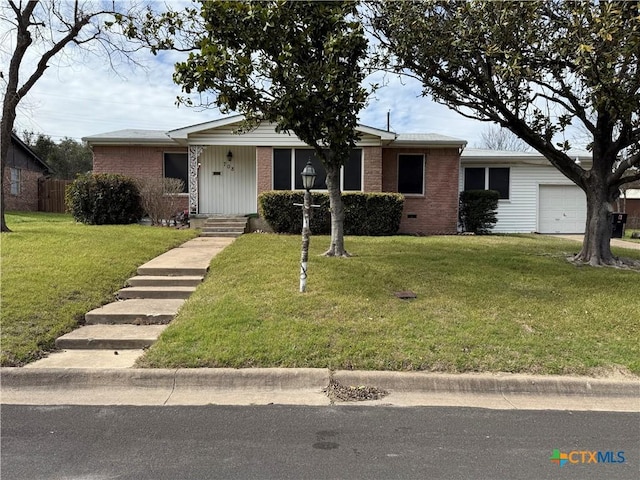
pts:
pixel 217 228
pixel 110 337
pixel 155 292
pixel 226 221
pixel 137 312
pixel 165 281
pixel 221 234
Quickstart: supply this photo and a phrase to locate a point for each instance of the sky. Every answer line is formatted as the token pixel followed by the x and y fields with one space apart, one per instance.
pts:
pixel 90 98
pixel 82 95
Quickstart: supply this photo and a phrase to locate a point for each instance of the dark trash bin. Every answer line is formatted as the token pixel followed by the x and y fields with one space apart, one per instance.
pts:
pixel 618 220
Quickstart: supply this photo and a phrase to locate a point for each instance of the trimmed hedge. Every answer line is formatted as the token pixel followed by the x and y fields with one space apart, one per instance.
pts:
pixel 374 214
pixel 104 199
pixel 478 210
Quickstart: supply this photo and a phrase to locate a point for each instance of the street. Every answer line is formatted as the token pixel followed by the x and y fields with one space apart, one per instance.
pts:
pixel 294 442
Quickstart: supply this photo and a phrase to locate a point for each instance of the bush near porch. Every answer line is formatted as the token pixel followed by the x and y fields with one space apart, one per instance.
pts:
pixel 365 213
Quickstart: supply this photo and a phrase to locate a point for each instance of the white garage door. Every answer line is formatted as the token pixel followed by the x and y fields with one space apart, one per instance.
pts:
pixel 561 209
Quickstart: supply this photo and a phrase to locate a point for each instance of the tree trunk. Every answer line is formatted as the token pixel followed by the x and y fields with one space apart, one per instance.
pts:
pixel 336 249
pixel 596 247
pixel 5 140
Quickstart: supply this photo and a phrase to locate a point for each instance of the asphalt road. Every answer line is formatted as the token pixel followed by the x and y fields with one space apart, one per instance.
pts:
pixel 281 442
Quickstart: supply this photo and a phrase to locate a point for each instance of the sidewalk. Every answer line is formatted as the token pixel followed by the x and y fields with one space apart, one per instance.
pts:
pixel 105 376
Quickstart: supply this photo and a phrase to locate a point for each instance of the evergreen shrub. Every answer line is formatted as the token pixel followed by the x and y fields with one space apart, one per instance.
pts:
pixel 478 210
pixel 364 213
pixel 104 199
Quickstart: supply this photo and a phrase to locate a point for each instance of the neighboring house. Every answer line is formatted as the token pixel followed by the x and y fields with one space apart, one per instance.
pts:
pixel 224 171
pixel 21 174
pixel 534 195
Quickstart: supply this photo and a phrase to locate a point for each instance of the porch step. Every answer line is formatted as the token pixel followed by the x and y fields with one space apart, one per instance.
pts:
pixel 136 312
pixel 224 226
pixel 110 337
pixel 155 292
pixel 165 281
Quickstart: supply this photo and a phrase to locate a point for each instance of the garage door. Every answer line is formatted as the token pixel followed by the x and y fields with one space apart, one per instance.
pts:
pixel 561 209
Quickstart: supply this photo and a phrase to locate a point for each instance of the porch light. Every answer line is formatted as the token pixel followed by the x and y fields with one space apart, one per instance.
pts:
pixel 308 176
pixel 229 156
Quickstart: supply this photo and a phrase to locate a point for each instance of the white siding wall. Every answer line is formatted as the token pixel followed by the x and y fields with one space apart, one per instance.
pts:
pixel 233 191
pixel 265 135
pixel 519 214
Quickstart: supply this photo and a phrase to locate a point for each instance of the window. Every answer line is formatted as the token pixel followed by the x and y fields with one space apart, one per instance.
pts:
pixel 288 163
pixel 411 174
pixel 176 165
pixel 488 178
pixel 15 181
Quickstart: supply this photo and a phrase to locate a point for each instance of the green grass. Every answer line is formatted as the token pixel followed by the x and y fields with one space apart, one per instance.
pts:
pixel 54 270
pixel 494 303
pixel 627 235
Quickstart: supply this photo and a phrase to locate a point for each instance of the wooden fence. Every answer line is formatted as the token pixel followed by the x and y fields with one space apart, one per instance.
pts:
pixel 51 195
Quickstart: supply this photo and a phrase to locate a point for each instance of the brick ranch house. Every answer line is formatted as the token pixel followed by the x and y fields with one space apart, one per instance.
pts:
pixel 224 171
pixel 21 175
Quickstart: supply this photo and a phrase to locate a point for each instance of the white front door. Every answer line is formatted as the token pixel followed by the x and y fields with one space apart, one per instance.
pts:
pixel 561 209
pixel 227 186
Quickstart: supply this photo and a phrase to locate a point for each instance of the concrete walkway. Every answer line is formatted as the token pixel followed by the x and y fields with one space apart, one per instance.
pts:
pixel 86 375
pixel 116 334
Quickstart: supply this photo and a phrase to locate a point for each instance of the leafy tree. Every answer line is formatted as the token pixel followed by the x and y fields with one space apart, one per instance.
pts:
pixel 296 64
pixel 534 68
pixel 67 158
pixel 44 29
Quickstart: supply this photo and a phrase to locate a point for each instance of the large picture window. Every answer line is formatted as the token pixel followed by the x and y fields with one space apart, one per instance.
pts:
pixel 176 165
pixel 488 178
pixel 288 163
pixel 411 174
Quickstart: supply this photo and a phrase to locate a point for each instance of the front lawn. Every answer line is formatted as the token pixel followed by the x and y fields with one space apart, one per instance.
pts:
pixel 54 270
pixel 627 235
pixel 493 303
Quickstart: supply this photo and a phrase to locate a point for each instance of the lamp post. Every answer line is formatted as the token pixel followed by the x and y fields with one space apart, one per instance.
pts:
pixel 308 179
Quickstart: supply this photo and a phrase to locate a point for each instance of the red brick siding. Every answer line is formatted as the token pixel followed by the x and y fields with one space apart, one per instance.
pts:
pixel 27 199
pixel 264 167
pixel 437 211
pixel 372 169
pixel 134 161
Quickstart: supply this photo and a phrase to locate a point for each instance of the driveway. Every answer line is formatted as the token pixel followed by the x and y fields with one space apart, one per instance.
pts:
pixel 615 242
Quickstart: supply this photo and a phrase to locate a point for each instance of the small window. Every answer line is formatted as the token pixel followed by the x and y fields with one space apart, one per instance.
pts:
pixel 353 171
pixel 474 178
pixel 282 169
pixel 488 178
pixel 15 181
pixel 499 180
pixel 176 165
pixel 411 174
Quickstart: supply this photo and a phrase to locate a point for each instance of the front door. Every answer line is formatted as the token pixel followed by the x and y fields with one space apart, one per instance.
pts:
pixel 227 186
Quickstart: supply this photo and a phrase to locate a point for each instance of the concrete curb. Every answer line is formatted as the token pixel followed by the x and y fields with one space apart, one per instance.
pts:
pixel 315 378
pixel 490 384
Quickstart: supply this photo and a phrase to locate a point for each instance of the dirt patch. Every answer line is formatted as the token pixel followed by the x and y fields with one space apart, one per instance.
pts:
pixel 343 393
